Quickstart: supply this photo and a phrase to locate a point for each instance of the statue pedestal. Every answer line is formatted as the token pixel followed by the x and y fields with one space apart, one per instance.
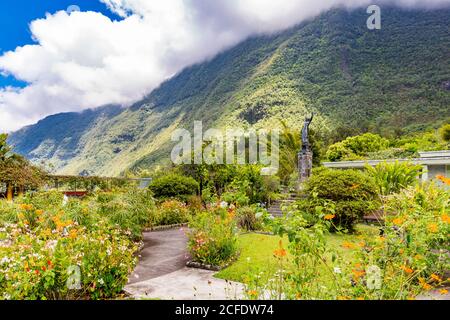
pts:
pixel 305 164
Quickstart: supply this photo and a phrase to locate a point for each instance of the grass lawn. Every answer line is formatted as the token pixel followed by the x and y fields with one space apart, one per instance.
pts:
pixel 257 253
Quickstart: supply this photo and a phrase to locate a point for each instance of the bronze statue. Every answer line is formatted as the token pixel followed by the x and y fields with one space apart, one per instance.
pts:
pixel 305 133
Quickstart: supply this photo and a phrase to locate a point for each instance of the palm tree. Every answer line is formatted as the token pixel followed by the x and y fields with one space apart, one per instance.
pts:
pixel 290 145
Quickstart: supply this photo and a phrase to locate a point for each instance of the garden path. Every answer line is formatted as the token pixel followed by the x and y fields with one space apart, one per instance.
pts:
pixel 162 273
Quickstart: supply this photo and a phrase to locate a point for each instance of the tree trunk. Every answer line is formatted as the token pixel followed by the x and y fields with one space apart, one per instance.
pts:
pixel 9 192
pixel 21 191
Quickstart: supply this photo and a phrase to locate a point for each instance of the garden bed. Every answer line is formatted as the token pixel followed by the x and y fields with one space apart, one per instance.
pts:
pixel 168 227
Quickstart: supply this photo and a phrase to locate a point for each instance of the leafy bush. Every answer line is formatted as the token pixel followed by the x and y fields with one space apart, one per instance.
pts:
pixel 213 237
pixel 353 193
pixel 445 132
pixel 393 177
pixel 172 212
pixel 132 211
pixel 356 147
pixel 250 218
pixel 174 186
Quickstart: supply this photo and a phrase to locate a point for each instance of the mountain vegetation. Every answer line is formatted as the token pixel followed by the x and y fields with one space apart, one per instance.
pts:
pixel 392 82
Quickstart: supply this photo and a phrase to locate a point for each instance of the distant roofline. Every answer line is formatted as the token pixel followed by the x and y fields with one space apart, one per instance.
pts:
pixel 427 158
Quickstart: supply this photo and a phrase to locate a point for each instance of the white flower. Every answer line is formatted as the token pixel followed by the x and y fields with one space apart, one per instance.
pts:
pixel 224 205
pixel 5 260
pixel 101 282
pixel 337 270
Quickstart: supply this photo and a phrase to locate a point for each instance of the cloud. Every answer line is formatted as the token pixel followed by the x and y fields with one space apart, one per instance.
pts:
pixel 83 59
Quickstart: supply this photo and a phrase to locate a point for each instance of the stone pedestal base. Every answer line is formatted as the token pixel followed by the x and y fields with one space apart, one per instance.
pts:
pixel 305 163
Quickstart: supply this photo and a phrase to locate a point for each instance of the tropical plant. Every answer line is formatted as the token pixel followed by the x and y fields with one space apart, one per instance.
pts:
pixel 393 177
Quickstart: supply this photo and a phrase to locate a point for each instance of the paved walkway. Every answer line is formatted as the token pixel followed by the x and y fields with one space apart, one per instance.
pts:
pixel 164 252
pixel 161 272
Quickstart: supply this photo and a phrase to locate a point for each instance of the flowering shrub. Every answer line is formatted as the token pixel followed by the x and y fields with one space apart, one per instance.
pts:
pixel 353 193
pixel 408 257
pixel 172 212
pixel 45 256
pixel 213 237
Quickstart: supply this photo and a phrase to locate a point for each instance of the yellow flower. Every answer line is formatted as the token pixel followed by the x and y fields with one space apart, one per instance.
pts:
pixel 252 293
pixel 329 217
pixel 47 233
pixel 39 212
pixel 73 234
pixel 398 221
pixel 443 291
pixel 433 227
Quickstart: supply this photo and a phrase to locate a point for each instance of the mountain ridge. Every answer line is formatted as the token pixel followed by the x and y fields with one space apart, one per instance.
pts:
pixel 389 81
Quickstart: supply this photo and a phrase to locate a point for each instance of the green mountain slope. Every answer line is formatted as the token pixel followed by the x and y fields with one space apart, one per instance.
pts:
pixel 391 81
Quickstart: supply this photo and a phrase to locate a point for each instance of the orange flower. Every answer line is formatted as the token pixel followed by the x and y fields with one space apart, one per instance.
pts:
pixel 445 218
pixel 398 221
pixel 281 252
pixel 358 274
pixel 443 291
pixel 39 212
pixel 426 286
pixel 329 217
pixel 26 207
pixel 348 245
pixel 252 293
pixel 433 227
pixel 436 277
pixel 355 186
pixel 443 179
pixel 407 269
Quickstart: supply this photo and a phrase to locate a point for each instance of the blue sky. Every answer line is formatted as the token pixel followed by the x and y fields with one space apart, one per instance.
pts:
pixel 15 16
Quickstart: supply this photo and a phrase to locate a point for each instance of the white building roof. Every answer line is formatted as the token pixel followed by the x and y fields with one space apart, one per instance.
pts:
pixel 426 158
